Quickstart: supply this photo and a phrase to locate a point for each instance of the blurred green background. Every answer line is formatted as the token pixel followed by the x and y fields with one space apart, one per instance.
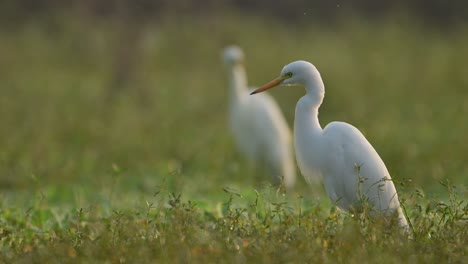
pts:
pixel 106 101
pixel 114 139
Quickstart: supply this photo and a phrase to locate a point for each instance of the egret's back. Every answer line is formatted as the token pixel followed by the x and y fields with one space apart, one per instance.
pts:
pixel 357 171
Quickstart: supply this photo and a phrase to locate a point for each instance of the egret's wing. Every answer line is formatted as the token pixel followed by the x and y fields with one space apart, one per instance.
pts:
pixel 355 167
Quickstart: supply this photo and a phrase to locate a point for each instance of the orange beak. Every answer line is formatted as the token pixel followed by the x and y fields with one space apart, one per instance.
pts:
pixel 269 85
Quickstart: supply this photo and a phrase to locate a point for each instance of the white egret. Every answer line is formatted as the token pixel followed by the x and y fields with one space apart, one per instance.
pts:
pixel 351 169
pixel 259 128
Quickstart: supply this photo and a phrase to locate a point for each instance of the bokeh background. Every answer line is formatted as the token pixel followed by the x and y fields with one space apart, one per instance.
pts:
pixel 108 101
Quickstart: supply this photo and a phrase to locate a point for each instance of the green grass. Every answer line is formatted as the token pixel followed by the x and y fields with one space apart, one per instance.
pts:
pixel 108 158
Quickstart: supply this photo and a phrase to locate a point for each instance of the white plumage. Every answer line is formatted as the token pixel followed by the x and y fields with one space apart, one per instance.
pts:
pixel 259 128
pixel 351 169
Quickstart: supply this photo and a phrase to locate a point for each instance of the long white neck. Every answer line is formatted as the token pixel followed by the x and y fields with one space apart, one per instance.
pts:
pixel 307 129
pixel 238 83
pixel 306 118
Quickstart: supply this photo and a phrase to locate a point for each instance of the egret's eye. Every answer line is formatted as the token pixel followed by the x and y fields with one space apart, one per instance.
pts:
pixel 288 75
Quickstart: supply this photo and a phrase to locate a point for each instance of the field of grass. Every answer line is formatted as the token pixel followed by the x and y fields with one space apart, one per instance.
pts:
pixel 114 145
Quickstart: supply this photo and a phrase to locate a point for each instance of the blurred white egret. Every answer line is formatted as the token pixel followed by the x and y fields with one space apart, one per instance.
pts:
pixel 259 128
pixel 352 170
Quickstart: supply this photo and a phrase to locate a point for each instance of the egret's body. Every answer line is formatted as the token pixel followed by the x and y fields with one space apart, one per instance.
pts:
pixel 351 169
pixel 259 128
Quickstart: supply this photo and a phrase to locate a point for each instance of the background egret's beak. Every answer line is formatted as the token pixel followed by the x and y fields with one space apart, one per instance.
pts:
pixel 269 85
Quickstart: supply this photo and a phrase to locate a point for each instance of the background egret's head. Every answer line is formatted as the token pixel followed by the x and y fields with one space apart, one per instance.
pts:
pixel 233 55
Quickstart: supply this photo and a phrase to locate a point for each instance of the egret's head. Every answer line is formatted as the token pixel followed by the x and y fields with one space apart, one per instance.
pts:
pixel 233 55
pixel 298 72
